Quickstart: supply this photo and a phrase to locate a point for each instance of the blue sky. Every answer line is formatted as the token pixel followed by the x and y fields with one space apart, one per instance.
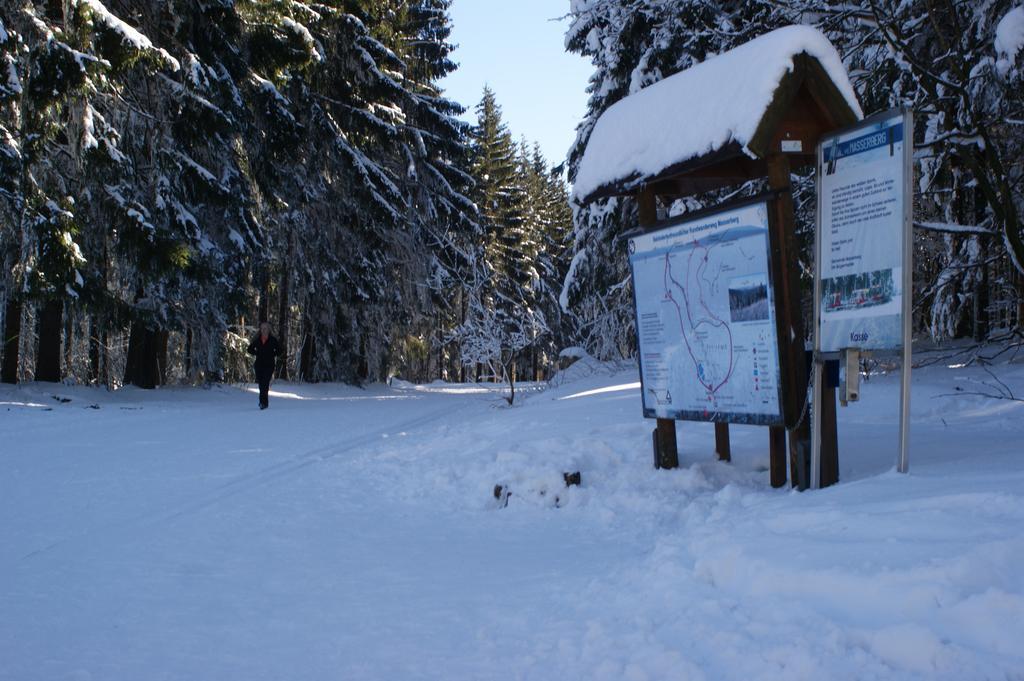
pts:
pixel 517 47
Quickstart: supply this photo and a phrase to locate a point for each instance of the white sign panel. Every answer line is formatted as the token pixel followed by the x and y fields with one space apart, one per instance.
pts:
pixel 862 200
pixel 706 319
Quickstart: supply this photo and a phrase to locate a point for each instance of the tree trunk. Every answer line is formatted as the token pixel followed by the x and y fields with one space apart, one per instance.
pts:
pixel 981 293
pixel 133 358
pixel 440 350
pixel 282 315
pixel 94 350
pixel 12 339
pixel 188 353
pixel 307 354
pixel 161 339
pixel 363 365
pixel 462 320
pixel 69 344
pixel 1020 299
pixel 510 373
pixel 98 353
pixel 48 355
pixel 104 358
pixel 146 363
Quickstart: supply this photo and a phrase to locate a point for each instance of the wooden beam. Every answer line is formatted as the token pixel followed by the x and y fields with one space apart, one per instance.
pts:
pixel 647 207
pixel 667 451
pixel 772 120
pixel 722 448
pixel 636 184
pixel 829 473
pixel 790 327
pixel 834 108
pixel 802 127
pixel 806 86
pixel 777 455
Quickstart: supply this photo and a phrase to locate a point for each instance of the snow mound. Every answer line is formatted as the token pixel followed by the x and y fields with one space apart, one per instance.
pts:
pixel 579 366
pixel 701 109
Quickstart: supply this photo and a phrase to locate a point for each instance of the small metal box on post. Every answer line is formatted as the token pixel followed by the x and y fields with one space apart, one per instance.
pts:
pixel 634 150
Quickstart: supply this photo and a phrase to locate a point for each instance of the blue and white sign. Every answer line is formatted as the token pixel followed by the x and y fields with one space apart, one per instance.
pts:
pixel 863 199
pixel 706 321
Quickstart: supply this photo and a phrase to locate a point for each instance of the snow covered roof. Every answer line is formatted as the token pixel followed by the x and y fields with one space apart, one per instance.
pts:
pixel 720 102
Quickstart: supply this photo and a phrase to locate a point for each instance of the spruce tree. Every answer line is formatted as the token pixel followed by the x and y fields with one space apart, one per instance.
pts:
pixel 499 197
pixel 503 317
pixel 348 222
pixel 435 178
pixel 176 198
pixel 552 233
pixel 71 57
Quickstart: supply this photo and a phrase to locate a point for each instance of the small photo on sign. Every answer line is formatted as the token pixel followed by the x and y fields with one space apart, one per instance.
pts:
pixel 857 291
pixel 748 298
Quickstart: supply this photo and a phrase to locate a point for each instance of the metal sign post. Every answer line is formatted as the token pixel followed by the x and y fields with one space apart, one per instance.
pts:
pixel 903 463
pixel 863 264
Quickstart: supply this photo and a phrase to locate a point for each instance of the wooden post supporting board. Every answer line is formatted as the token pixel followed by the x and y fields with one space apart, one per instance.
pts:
pixel 792 354
pixel 667 453
pixel 790 324
pixel 777 455
pixel 722 448
pixel 829 473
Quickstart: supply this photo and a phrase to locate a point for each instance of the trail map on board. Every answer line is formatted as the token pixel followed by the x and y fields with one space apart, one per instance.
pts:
pixel 706 319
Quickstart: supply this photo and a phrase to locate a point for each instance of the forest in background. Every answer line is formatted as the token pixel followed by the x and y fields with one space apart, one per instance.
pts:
pixel 957 64
pixel 174 171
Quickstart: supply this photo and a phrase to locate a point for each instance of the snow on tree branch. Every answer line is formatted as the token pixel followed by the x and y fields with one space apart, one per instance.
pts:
pixel 128 34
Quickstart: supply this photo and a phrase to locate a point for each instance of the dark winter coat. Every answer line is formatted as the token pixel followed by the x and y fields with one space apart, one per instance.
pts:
pixel 266 353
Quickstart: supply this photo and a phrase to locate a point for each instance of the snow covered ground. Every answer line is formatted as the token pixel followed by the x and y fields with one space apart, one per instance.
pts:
pixel 353 534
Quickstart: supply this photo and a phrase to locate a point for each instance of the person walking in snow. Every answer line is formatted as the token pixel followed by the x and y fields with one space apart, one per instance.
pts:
pixel 266 349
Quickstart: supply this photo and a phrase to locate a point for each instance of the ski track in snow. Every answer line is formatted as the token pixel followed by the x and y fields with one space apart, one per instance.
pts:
pixel 177 535
pixel 247 482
